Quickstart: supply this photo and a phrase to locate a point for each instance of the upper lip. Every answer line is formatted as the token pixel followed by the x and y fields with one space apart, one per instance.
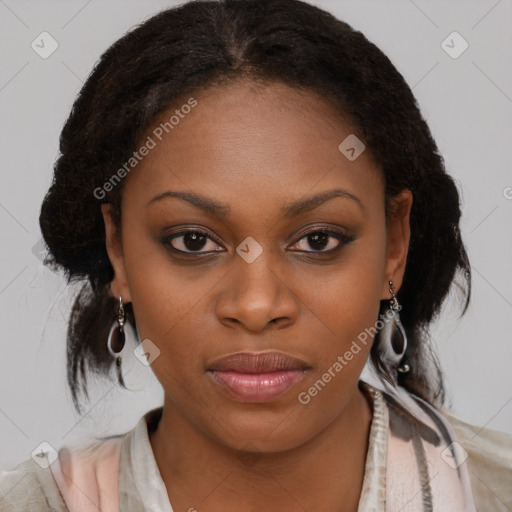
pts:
pixel 257 362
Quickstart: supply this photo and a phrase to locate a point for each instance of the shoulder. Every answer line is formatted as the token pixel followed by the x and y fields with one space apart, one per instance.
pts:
pixel 30 486
pixel 489 459
pixel 81 477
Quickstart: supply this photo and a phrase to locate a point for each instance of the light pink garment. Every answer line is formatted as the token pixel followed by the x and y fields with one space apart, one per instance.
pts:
pixel 445 474
pixel 88 478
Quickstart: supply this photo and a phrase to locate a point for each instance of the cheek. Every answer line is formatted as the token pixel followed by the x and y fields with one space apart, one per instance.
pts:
pixel 161 295
pixel 344 308
pixel 345 297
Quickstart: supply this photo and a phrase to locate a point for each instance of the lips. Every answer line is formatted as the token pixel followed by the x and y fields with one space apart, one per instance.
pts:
pixel 257 377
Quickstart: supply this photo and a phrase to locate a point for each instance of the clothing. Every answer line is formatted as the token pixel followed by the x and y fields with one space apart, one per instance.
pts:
pixel 128 461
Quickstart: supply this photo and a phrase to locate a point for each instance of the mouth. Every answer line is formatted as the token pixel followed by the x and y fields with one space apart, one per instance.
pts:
pixel 257 377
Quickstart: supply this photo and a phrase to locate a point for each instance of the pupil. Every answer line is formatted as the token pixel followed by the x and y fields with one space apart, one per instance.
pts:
pixel 318 241
pixel 194 241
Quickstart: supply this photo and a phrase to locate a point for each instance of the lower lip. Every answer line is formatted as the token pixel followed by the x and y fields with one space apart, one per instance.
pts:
pixel 257 387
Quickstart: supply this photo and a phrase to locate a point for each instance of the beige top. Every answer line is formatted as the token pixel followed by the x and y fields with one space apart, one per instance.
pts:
pixel 30 488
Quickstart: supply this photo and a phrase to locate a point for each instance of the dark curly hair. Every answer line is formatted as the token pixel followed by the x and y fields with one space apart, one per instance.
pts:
pixel 204 43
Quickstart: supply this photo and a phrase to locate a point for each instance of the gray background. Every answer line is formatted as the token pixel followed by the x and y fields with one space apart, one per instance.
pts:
pixel 466 101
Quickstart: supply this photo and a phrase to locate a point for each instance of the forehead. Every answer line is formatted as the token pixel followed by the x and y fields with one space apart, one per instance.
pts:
pixel 253 142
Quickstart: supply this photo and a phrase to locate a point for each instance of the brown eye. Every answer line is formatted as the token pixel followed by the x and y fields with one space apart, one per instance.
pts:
pixel 190 241
pixel 323 241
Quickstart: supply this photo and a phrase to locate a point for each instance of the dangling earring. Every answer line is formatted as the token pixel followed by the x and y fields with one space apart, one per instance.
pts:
pixel 116 339
pixel 393 340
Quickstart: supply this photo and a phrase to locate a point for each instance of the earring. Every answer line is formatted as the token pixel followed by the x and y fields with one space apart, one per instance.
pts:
pixel 393 340
pixel 116 336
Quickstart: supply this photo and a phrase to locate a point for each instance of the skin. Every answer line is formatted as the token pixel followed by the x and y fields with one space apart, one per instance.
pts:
pixel 256 148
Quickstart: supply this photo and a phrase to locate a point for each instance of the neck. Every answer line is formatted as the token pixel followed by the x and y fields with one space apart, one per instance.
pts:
pixel 325 473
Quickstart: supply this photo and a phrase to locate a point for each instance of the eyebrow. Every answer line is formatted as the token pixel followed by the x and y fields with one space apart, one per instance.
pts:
pixel 289 210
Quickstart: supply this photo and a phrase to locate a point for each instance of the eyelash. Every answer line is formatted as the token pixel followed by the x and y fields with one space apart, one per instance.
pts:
pixel 341 237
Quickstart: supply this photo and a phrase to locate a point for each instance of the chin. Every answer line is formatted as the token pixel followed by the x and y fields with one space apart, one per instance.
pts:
pixel 265 431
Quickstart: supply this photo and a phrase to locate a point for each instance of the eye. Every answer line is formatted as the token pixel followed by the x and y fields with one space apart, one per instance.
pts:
pixel 320 239
pixel 190 241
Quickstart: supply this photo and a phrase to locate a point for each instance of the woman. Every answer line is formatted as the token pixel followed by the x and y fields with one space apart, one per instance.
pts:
pixel 251 187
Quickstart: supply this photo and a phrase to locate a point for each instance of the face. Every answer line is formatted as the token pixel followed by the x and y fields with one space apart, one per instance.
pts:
pixel 278 243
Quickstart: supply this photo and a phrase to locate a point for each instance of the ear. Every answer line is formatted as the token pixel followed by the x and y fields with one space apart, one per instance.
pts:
pixel 119 285
pixel 398 237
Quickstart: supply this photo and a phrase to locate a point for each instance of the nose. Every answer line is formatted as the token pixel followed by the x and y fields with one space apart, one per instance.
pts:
pixel 257 295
